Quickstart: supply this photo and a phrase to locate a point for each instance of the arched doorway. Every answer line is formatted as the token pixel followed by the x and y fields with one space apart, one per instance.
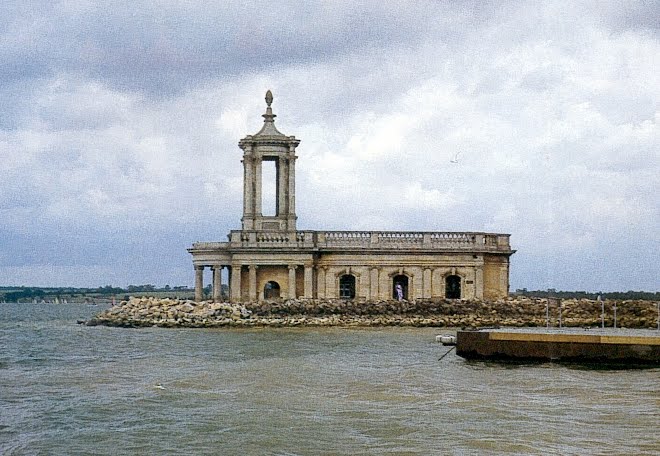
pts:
pixel 272 290
pixel 402 281
pixel 453 287
pixel 347 286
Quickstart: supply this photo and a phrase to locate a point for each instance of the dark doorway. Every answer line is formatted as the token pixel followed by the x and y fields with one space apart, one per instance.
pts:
pixel 453 287
pixel 272 290
pixel 347 286
pixel 402 282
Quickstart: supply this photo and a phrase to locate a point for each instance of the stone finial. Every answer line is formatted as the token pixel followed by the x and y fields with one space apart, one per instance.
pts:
pixel 269 116
pixel 268 128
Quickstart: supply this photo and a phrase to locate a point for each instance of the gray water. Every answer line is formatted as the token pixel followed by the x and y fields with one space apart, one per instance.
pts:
pixel 67 389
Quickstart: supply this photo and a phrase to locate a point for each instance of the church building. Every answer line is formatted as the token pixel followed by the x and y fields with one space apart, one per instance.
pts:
pixel 270 259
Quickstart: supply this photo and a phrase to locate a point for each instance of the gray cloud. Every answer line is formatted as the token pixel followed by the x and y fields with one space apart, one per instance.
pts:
pixel 164 47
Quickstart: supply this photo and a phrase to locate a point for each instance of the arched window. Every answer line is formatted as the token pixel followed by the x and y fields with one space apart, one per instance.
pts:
pixel 272 290
pixel 453 287
pixel 400 287
pixel 347 286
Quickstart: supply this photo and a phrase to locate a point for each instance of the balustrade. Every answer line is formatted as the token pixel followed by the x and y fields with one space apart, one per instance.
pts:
pixel 364 239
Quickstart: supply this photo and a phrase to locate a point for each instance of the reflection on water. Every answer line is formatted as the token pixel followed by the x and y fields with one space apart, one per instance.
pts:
pixel 70 389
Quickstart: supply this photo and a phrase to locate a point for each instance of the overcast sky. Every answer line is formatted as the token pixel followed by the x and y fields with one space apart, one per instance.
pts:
pixel 119 123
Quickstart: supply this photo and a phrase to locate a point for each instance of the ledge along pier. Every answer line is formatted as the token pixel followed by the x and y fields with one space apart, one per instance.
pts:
pixel 606 346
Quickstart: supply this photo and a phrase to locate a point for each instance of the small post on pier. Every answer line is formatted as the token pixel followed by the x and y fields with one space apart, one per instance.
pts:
pixel 602 312
pixel 658 306
pixel 559 302
pixel 614 315
pixel 547 313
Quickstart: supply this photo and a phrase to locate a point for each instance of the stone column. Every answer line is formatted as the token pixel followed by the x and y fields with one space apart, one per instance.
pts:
pixel 292 282
pixel 426 290
pixel 281 186
pixel 320 283
pixel 217 283
pixel 291 201
pixel 199 283
pixel 248 185
pixel 235 285
pixel 252 283
pixel 373 293
pixel 308 281
pixel 257 187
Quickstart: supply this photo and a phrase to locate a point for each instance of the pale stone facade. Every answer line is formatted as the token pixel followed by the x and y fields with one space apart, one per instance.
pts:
pixel 270 259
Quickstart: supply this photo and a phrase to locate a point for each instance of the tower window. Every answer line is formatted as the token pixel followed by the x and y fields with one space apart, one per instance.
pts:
pixel 269 188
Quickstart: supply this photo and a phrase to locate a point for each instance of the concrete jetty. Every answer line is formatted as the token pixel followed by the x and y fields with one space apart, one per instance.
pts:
pixel 607 346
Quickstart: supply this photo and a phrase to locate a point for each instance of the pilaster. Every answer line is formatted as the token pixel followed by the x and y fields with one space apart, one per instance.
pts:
pixel 320 283
pixel 252 282
pixel 373 293
pixel 479 283
pixel 427 278
pixel 292 282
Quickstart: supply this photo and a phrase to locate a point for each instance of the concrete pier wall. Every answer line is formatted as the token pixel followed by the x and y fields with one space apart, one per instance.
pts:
pixel 610 347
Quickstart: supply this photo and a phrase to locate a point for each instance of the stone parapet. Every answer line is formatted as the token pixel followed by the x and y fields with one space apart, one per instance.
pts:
pixel 367 240
pixel 414 240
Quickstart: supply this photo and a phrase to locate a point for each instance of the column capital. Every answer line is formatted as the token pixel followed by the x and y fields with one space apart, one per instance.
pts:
pixel 199 267
pixel 253 267
pixel 292 266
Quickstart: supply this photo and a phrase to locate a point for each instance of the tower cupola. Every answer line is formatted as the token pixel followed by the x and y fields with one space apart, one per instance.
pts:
pixel 269 144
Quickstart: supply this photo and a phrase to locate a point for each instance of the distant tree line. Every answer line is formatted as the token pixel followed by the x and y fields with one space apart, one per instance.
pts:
pixel 622 295
pixel 15 294
pixel 27 293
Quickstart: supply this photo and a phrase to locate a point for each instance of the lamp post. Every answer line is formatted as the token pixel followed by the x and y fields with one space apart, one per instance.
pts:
pixel 615 315
pixel 602 312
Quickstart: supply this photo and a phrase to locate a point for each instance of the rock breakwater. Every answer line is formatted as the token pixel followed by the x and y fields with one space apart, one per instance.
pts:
pixel 513 312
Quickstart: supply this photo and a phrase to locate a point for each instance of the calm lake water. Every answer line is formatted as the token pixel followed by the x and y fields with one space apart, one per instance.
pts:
pixel 67 389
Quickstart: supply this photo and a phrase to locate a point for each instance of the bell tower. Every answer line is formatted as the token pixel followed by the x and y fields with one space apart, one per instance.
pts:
pixel 265 146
